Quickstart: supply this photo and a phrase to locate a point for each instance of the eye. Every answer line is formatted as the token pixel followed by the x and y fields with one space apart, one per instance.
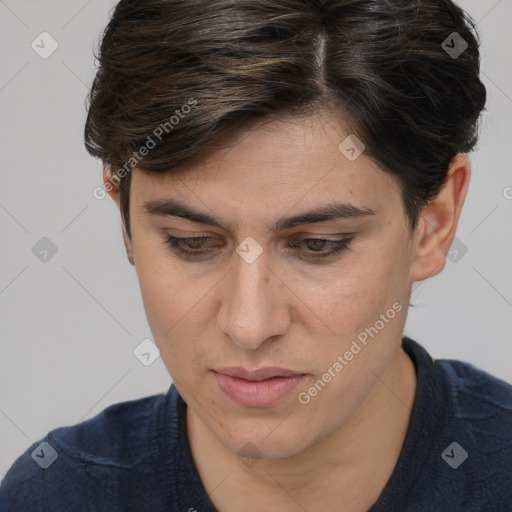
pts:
pixel 191 247
pixel 187 246
pixel 317 244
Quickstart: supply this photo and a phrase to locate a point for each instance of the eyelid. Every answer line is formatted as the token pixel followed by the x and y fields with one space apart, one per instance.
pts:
pixel 338 246
pixel 294 239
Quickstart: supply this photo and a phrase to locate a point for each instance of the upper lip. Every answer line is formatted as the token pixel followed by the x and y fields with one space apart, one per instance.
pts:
pixel 257 375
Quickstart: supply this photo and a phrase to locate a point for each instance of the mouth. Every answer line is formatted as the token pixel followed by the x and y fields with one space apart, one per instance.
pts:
pixel 258 388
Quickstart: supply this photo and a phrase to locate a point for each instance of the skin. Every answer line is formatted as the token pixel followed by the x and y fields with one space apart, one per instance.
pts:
pixel 286 309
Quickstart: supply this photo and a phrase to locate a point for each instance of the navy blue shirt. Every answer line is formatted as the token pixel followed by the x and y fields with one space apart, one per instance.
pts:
pixel 135 456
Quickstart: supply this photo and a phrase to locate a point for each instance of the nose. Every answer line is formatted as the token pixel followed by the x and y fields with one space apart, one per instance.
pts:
pixel 254 307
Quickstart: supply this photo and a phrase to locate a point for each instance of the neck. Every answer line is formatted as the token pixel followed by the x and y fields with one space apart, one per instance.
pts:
pixel 351 467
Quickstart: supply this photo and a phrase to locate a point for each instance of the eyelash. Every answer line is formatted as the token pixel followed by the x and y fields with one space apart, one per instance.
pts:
pixel 173 242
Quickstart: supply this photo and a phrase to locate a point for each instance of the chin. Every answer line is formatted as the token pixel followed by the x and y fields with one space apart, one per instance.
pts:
pixel 254 450
pixel 281 443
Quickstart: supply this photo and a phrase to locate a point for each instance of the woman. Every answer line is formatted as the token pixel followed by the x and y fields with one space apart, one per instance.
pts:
pixel 285 170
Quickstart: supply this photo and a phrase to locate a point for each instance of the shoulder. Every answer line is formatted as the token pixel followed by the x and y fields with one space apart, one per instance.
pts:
pixel 479 426
pixel 114 436
pixel 466 387
pixel 459 446
pixel 477 391
pixel 110 447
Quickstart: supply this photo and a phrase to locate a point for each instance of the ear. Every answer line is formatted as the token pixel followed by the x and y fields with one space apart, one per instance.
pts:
pixel 128 245
pixel 112 188
pixel 438 222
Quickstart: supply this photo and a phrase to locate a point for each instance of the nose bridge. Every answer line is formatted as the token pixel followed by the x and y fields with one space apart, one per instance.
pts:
pixel 249 311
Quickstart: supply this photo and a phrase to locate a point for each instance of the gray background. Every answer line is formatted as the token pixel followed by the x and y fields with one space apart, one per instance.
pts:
pixel 69 325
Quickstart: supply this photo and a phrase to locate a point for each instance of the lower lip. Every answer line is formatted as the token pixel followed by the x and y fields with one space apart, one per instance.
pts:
pixel 263 393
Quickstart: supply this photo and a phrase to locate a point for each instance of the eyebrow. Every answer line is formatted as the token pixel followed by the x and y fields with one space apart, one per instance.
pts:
pixel 331 211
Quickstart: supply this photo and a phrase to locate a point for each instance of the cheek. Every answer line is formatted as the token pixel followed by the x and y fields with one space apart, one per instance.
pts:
pixel 165 291
pixel 353 303
pixel 158 289
pixel 354 297
pixel 175 304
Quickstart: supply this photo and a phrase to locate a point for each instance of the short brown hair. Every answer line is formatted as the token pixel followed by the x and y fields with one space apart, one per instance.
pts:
pixel 380 62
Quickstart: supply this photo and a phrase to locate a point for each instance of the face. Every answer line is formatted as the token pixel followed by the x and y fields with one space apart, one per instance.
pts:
pixel 299 296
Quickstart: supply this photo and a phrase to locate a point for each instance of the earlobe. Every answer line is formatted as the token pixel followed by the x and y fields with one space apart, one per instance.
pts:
pixel 438 222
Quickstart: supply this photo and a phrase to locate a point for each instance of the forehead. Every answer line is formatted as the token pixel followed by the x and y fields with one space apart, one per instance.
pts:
pixel 274 165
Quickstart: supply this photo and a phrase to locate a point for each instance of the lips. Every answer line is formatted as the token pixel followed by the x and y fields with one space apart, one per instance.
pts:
pixel 257 388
